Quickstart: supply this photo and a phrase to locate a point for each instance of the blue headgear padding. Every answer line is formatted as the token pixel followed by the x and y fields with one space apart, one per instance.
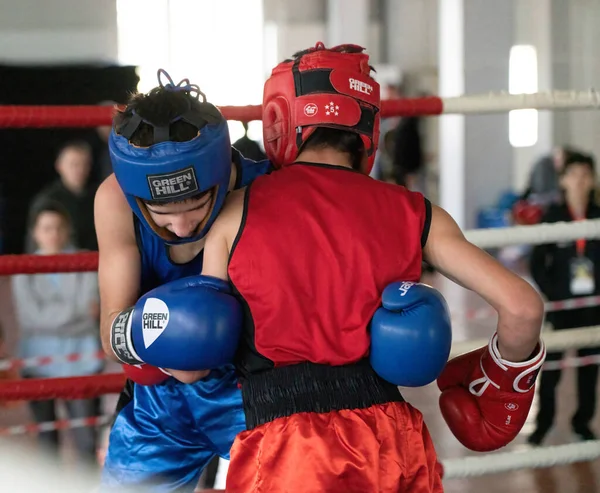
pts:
pixel 173 171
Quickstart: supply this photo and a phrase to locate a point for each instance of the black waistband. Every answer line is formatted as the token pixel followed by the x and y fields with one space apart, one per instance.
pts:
pixel 307 387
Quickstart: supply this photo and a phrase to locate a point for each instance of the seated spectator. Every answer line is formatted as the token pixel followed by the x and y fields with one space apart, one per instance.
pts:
pixel 73 193
pixel 58 315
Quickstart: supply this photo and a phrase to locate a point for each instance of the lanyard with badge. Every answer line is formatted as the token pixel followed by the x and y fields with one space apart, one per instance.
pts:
pixel 582 268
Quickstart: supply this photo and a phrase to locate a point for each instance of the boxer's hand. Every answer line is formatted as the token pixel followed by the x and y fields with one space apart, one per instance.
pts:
pixel 190 324
pixel 188 376
pixel 485 399
pixel 411 334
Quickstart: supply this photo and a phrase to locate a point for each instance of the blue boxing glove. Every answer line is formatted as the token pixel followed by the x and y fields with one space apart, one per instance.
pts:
pixel 189 324
pixel 411 334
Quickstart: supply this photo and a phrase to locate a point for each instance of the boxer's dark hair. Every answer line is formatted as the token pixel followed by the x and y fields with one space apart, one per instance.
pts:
pixel 343 141
pixel 160 106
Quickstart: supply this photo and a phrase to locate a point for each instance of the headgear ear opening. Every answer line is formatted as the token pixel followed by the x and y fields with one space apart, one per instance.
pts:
pixel 320 87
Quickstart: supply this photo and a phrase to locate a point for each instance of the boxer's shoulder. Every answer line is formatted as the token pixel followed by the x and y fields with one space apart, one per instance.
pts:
pixel 229 221
pixel 109 197
pixel 231 213
pixel 112 214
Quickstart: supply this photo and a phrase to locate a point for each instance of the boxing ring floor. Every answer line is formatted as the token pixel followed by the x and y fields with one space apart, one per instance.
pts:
pixel 576 478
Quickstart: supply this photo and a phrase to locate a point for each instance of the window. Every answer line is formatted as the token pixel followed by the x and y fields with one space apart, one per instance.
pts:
pixel 215 44
pixel 523 79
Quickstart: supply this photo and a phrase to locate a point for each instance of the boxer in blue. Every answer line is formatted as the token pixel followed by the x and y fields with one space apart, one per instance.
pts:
pixel 173 166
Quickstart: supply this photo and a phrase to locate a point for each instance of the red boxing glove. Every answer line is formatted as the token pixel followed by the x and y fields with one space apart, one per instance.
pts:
pixel 485 399
pixel 145 374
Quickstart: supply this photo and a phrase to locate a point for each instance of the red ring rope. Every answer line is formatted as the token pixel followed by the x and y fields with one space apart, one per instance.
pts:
pixel 94 116
pixel 45 264
pixel 42 389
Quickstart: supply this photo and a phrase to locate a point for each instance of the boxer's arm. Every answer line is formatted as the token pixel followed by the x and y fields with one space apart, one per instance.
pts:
pixel 222 234
pixel 520 308
pixel 119 266
pixel 217 246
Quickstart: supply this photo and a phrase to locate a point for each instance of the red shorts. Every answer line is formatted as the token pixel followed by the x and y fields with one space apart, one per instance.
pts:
pixel 384 448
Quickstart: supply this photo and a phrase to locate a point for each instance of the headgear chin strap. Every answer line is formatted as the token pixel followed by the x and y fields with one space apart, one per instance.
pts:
pixel 321 87
pixel 170 171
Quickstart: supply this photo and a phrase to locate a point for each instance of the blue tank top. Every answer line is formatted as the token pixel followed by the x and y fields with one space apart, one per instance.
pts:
pixel 157 266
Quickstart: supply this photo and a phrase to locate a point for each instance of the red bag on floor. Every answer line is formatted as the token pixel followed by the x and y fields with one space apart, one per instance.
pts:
pixel 526 214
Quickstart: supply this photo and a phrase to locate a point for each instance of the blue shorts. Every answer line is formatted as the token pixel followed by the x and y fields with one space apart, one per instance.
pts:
pixel 163 439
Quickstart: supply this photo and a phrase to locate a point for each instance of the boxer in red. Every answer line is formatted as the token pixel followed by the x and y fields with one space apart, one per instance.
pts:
pixel 326 262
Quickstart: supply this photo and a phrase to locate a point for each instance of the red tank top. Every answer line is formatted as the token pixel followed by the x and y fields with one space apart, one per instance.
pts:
pixel 317 246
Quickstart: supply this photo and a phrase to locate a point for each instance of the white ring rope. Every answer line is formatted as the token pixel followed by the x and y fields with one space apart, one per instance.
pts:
pixel 531 458
pixel 534 235
pixel 555 340
pixel 572 362
pixel 500 102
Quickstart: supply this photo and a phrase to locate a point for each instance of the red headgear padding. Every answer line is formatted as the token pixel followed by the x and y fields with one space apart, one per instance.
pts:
pixel 320 87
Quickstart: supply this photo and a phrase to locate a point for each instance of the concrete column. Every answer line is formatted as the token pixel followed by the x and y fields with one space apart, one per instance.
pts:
pixel 562 64
pixel 452 127
pixel 533 26
pixel 489 28
pixel 475 154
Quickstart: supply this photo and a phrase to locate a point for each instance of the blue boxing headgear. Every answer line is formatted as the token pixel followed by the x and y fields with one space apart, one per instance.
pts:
pixel 174 171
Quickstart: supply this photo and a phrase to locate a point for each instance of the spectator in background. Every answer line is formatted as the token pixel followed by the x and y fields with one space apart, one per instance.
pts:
pixel 383 168
pixel 408 157
pixel 544 177
pixel 72 191
pixel 2 218
pixel 570 270
pixel 58 315
pixel 543 188
pixel 103 163
pixel 248 147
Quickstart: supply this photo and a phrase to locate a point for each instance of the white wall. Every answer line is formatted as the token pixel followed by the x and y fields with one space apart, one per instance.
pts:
pixel 579 65
pixel 296 25
pixel 488 39
pixel 58 31
pixel 412 39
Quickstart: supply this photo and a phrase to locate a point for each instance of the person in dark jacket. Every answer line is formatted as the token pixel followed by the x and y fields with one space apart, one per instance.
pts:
pixel 545 174
pixel 248 147
pixel 569 270
pixel 73 192
pixel 408 159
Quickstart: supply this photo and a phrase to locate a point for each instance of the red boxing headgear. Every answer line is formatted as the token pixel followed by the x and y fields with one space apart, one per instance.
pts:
pixel 320 87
